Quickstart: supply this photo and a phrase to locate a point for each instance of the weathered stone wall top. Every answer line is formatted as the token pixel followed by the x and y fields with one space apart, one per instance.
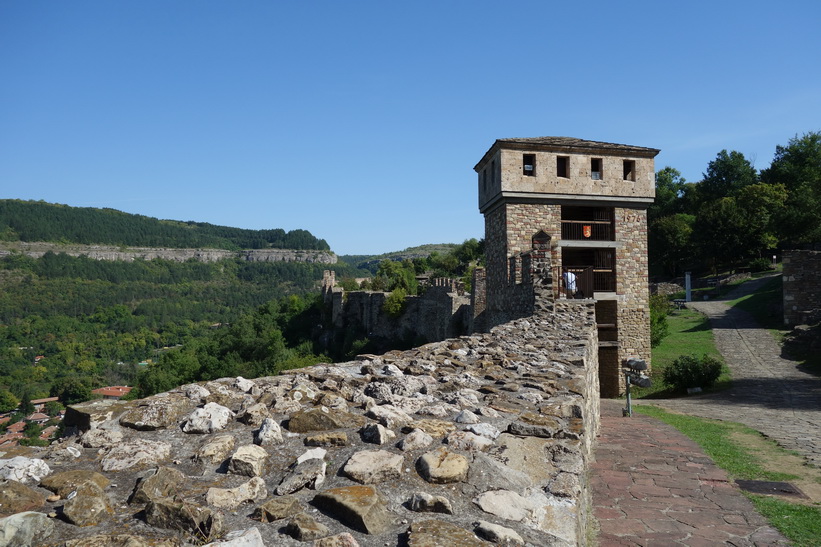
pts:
pixel 802 286
pixel 129 254
pixel 485 435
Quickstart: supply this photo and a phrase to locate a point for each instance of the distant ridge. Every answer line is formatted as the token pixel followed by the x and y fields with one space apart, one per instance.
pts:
pixel 39 221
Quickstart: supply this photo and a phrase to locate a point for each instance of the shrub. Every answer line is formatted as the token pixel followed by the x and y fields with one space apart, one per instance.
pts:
pixel 394 304
pixel 659 309
pixel 760 265
pixel 689 371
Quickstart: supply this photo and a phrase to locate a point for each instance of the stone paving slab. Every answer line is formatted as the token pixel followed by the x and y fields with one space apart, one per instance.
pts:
pixel 654 486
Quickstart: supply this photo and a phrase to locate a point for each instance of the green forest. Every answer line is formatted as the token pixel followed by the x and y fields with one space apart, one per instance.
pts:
pixel 736 216
pixel 41 221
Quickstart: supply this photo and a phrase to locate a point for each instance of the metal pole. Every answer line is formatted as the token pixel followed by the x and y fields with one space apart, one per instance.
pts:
pixel 629 409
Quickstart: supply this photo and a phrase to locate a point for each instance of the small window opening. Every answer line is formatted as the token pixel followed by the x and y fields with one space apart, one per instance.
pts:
pixel 562 163
pixel 529 164
pixel 493 172
pixel 484 180
pixel 595 168
pixel 629 170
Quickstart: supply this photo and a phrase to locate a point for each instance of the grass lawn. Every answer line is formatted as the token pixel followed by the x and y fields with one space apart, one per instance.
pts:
pixel 731 447
pixel 689 334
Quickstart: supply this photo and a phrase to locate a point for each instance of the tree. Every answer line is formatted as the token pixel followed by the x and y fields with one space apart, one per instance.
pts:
pixel 720 232
pixel 670 242
pixel 8 401
pixel 797 167
pixel 71 390
pixel 761 205
pixel 670 187
pixel 726 176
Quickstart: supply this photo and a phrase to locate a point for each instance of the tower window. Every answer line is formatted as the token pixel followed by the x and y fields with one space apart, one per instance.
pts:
pixel 595 168
pixel 629 170
pixel 529 164
pixel 562 166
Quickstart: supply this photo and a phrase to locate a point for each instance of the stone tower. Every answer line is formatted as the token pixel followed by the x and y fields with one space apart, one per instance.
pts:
pixel 591 198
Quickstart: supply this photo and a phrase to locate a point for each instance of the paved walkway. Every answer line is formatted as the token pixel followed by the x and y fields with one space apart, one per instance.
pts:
pixel 652 486
pixel 769 393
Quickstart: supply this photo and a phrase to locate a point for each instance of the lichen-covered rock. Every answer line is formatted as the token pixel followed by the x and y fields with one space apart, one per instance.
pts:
pixel 157 412
pixel 304 527
pixel 65 482
pixel 208 419
pixel 377 434
pixel 277 508
pixel 200 523
pixel 373 466
pixel 26 529
pixel 22 469
pixel 231 498
pixel 530 424
pixel 361 507
pixel 16 497
pixel 310 473
pixel 161 483
pixel 135 453
pixel 89 507
pixel 249 460
pixel 498 534
pixel 438 533
pixel 101 438
pixel 216 449
pixel 322 419
pixel 422 502
pixel 415 440
pixel 339 540
pixel 328 438
pixel 240 538
pixel 254 414
pixel 468 442
pixel 442 466
pixel 269 433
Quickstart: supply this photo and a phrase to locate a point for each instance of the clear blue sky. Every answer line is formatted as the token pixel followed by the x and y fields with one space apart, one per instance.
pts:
pixel 361 121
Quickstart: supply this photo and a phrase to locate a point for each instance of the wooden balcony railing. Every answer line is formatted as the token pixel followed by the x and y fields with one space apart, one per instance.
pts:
pixel 587 281
pixel 595 230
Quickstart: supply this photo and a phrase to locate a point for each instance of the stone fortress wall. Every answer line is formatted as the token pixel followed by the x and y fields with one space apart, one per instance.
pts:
pixel 482 436
pixel 802 286
pixel 129 254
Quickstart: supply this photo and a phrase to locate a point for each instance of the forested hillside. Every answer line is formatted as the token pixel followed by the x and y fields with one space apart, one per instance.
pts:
pixel 71 324
pixel 41 221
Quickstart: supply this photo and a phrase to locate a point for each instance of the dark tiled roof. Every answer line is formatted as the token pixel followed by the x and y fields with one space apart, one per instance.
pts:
pixel 566 143
pixel 574 142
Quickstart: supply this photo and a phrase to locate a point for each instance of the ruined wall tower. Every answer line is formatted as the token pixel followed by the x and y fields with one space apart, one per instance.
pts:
pixel 591 198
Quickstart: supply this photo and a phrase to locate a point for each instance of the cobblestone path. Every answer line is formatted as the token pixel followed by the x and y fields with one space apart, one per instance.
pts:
pixel 769 392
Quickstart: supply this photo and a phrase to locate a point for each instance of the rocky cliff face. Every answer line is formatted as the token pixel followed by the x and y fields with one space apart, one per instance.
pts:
pixel 129 254
pixel 471 441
